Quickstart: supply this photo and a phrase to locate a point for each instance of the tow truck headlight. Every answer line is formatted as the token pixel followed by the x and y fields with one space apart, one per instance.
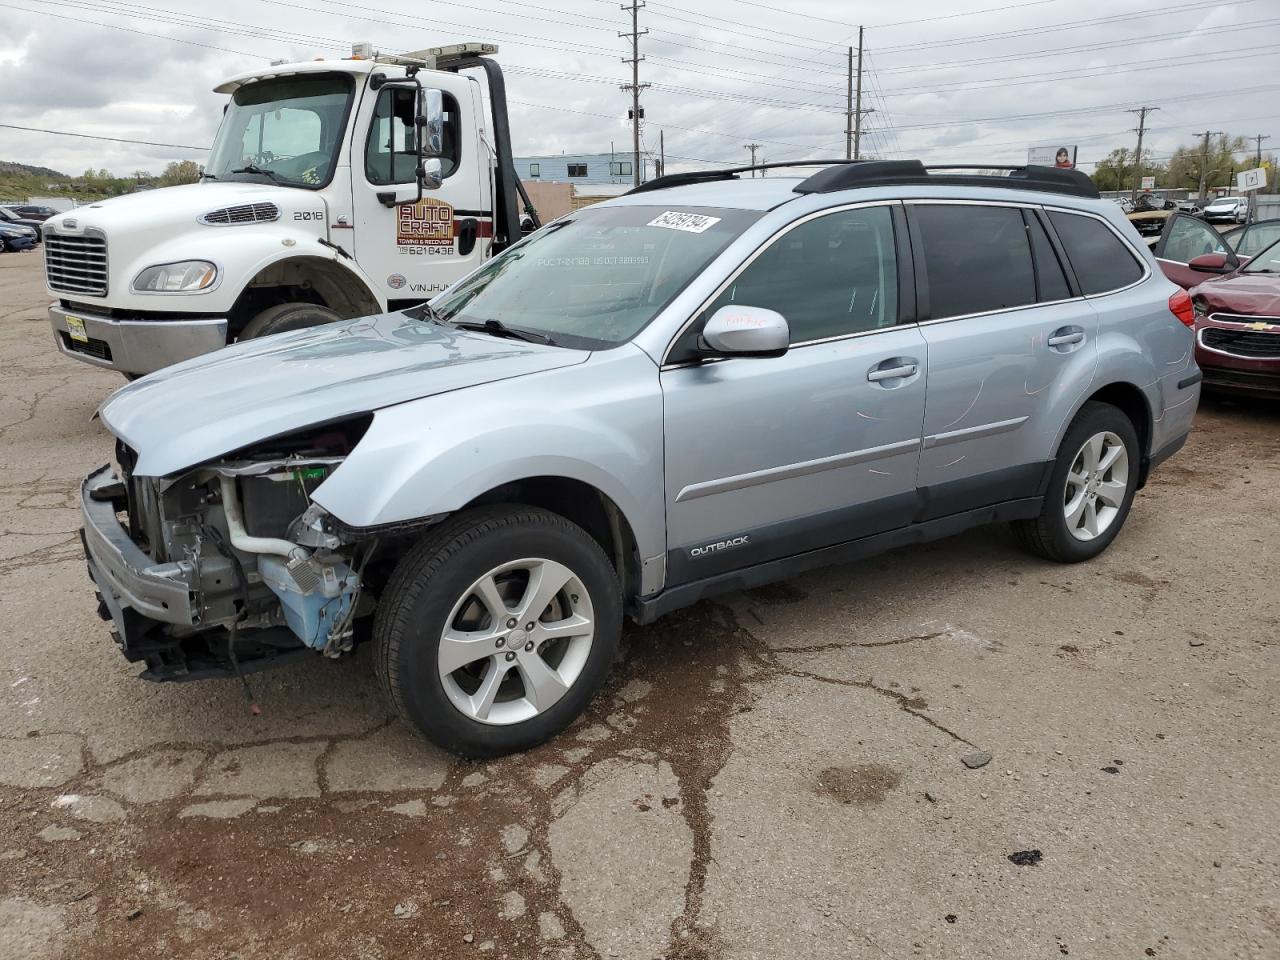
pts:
pixel 185 276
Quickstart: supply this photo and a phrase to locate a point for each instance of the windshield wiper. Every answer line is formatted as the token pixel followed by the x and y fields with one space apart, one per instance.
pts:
pixel 254 168
pixel 497 328
pixel 207 176
pixel 430 312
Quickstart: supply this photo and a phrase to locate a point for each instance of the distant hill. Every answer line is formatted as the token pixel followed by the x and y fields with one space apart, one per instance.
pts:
pixel 26 170
pixel 18 181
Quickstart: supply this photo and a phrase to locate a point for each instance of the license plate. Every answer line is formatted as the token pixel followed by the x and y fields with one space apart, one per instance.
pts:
pixel 75 327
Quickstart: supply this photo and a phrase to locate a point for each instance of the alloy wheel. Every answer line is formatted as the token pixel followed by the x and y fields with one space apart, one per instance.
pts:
pixel 516 641
pixel 1096 486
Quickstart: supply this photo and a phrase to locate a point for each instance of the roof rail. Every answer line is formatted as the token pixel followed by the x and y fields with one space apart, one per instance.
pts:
pixel 886 173
pixel 727 173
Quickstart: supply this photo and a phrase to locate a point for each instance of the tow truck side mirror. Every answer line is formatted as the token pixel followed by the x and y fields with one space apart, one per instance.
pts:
pixel 430 123
pixel 431 174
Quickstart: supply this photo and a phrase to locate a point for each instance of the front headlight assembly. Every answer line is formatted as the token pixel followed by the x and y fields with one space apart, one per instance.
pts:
pixel 185 276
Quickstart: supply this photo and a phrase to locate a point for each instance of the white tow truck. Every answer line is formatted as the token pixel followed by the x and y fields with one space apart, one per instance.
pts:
pixel 334 189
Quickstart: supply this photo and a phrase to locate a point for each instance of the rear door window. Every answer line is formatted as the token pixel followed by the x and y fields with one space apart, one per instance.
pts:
pixel 977 258
pixel 1101 260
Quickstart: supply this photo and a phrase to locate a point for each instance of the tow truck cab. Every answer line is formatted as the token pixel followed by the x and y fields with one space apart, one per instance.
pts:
pixel 334 189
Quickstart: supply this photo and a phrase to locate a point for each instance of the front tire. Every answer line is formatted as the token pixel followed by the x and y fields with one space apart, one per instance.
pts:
pixel 497 629
pixel 1091 488
pixel 287 316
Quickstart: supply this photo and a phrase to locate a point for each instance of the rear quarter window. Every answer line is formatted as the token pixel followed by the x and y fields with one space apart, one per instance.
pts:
pixel 1101 260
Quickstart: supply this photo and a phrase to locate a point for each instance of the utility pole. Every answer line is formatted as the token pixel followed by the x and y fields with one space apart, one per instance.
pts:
pixel 753 147
pixel 1253 194
pixel 848 110
pixel 1141 129
pixel 635 86
pixel 854 111
pixel 1204 160
pixel 662 154
pixel 1258 138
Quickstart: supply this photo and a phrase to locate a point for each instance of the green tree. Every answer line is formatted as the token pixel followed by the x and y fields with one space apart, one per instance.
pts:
pixel 180 171
pixel 1218 165
pixel 1118 172
pixel 1111 173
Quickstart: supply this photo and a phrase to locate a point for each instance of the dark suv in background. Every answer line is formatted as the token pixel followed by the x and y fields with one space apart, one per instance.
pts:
pixel 34 212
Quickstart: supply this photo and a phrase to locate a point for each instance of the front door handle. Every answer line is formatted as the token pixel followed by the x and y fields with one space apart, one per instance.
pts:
pixel 891 373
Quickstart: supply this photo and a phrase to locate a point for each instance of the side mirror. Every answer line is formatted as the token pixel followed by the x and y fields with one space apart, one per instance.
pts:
pixel 1210 263
pixel 741 331
pixel 430 123
pixel 431 174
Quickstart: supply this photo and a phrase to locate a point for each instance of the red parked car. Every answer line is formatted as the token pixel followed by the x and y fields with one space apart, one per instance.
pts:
pixel 1237 305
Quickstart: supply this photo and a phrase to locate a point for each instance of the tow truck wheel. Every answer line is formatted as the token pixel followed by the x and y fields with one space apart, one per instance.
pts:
pixel 287 316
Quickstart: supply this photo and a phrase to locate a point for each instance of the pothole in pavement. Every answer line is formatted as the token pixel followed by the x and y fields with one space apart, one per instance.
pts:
pixel 464 863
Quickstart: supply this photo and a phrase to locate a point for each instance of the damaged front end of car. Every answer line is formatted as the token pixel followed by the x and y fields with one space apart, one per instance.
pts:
pixel 229 566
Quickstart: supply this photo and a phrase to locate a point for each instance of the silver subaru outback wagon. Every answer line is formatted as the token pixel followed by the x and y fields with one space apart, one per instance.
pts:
pixel 708 384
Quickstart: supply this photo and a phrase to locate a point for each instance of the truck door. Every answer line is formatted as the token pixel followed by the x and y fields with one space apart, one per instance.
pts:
pixel 412 251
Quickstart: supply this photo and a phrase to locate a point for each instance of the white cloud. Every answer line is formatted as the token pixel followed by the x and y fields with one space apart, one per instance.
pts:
pixel 74 65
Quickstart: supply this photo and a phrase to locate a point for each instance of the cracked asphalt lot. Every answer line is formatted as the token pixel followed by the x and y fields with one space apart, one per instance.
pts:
pixel 777 774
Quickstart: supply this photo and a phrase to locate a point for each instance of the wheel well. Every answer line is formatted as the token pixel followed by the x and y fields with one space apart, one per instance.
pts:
pixel 1130 401
pixel 586 506
pixel 305 280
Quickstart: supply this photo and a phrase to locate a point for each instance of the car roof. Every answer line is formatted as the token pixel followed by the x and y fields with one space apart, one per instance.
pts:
pixel 758 193
pixel 768 193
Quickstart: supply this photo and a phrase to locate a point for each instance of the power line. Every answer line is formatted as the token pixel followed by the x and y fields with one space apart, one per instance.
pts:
pixel 773 8
pixel 90 136
pixel 1078 48
pixel 1026 79
pixel 1065 25
pixel 113 26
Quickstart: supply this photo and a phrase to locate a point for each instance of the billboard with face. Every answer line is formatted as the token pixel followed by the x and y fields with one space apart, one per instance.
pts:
pixel 1052 156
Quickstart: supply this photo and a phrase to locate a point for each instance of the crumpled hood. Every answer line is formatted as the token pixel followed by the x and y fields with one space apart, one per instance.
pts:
pixel 1253 294
pixel 194 411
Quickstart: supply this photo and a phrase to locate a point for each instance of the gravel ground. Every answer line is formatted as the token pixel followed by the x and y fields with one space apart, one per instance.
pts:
pixel 777 774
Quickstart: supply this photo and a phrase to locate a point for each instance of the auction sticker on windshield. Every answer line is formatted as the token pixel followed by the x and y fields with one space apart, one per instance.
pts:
pixel 688 222
pixel 75 329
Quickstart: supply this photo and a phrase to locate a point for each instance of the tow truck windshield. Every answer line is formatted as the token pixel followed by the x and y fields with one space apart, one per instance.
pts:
pixel 283 130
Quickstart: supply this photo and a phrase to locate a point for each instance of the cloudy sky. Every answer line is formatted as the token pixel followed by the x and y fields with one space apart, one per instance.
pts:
pixel 949 80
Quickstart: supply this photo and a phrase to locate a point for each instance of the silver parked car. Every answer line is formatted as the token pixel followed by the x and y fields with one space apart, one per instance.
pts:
pixel 705 385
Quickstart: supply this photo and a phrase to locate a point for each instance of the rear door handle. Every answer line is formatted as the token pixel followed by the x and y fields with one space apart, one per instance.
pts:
pixel 891 373
pixel 1062 338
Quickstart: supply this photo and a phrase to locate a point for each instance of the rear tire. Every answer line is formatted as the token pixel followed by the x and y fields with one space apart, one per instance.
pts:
pixel 455 654
pixel 284 317
pixel 1091 488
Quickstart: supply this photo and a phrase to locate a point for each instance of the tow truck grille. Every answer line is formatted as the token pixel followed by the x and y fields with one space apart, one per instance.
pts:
pixel 243 213
pixel 76 264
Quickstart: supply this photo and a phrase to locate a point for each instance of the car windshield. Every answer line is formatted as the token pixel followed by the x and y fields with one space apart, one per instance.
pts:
pixel 8 214
pixel 283 130
pixel 596 278
pixel 1265 261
